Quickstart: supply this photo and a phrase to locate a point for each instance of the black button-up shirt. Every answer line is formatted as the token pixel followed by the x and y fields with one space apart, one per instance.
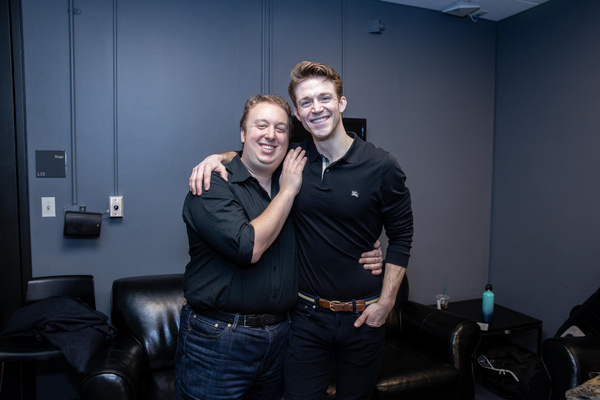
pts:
pixel 220 274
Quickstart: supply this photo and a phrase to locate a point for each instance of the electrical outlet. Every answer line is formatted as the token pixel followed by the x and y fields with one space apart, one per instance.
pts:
pixel 115 206
pixel 48 207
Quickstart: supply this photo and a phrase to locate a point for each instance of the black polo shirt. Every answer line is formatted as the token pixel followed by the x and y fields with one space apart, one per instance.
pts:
pixel 219 274
pixel 341 212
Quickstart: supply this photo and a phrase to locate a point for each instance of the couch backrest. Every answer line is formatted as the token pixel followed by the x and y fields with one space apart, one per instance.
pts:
pixel 148 308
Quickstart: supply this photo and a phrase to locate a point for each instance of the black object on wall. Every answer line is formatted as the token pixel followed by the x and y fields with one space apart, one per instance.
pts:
pixel 81 224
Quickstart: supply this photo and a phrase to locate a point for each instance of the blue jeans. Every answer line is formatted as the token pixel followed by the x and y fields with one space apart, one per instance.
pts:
pixel 323 342
pixel 219 361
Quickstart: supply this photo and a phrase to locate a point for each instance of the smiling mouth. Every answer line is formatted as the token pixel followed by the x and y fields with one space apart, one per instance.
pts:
pixel 317 120
pixel 267 146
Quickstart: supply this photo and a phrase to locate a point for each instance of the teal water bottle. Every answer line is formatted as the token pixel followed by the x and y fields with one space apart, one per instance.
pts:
pixel 488 304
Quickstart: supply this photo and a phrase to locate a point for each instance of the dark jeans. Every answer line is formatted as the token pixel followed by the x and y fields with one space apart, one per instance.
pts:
pixel 321 339
pixel 218 361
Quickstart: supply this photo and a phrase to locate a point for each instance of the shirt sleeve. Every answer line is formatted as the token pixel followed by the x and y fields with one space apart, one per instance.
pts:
pixel 397 213
pixel 218 220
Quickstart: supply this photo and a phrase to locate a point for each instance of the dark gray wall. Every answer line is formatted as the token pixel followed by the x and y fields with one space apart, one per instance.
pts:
pixel 183 71
pixel 545 242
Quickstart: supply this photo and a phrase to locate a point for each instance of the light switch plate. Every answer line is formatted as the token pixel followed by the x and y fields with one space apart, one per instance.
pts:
pixel 48 207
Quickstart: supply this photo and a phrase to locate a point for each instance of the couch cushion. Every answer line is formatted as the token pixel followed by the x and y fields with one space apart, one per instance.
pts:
pixel 406 372
pixel 148 308
pixel 160 385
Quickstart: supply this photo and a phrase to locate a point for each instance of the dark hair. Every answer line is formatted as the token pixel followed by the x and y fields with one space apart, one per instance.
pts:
pixel 266 98
pixel 306 70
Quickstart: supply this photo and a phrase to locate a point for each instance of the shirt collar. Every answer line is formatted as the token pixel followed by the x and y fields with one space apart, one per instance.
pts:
pixel 237 170
pixel 352 156
pixel 239 173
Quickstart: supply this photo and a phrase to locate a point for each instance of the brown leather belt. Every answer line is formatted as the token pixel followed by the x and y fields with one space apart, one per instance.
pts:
pixel 336 306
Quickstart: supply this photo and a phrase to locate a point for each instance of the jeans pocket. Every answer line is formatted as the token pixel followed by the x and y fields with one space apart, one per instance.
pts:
pixel 207 328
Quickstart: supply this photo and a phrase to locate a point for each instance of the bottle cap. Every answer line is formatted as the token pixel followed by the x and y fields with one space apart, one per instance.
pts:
pixel 488 287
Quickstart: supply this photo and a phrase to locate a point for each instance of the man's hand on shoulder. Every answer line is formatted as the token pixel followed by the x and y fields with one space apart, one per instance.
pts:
pixel 291 173
pixel 200 178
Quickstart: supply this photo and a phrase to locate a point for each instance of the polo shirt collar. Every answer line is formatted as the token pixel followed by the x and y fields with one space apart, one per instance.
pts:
pixel 352 156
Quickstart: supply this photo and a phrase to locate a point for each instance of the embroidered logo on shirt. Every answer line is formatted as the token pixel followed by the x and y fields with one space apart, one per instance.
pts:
pixel 354 193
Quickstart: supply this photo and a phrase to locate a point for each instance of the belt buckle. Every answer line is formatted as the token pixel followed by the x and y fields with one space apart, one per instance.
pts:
pixel 332 305
pixel 249 317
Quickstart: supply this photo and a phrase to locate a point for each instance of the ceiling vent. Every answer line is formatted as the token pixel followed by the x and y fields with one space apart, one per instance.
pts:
pixel 461 8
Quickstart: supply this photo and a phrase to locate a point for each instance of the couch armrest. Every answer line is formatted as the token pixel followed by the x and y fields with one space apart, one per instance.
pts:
pixel 446 335
pixel 116 371
pixel 440 332
pixel 569 361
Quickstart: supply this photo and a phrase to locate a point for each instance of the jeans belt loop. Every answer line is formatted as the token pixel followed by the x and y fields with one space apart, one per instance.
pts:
pixel 235 322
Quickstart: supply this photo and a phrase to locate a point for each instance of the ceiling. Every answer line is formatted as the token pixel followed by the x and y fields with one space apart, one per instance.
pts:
pixel 495 10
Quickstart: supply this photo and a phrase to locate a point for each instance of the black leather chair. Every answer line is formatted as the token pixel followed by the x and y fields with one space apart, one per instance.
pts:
pixel 25 351
pixel 570 360
pixel 427 354
pixel 139 362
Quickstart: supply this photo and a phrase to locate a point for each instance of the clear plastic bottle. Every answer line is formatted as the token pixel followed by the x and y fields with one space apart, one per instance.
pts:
pixel 488 304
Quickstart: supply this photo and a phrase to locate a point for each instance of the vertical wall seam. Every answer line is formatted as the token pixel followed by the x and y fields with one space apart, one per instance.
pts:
pixel 270 45
pixel 343 40
pixel 262 48
pixel 72 99
pixel 115 102
pixel 267 46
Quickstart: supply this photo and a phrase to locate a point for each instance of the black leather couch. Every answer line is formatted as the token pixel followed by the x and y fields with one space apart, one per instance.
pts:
pixel 427 354
pixel 571 359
